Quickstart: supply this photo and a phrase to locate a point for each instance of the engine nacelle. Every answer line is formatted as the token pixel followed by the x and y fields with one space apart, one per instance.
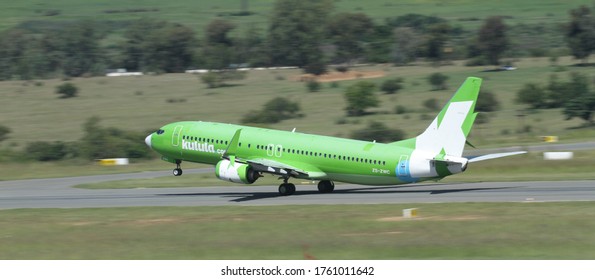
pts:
pixel 236 172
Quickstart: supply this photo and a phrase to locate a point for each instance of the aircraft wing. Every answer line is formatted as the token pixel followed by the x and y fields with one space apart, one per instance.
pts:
pixel 493 156
pixel 280 168
pixel 294 169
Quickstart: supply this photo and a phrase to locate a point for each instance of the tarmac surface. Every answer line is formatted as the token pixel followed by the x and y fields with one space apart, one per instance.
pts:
pixel 59 193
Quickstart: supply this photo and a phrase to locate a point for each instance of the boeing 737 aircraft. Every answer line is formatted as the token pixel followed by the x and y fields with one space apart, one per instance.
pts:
pixel 242 154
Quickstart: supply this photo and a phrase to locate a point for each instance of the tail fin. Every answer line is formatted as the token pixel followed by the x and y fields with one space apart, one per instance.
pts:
pixel 448 133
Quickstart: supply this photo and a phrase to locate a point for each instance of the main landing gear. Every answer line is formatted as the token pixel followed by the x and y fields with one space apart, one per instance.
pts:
pixel 324 186
pixel 178 170
pixel 286 188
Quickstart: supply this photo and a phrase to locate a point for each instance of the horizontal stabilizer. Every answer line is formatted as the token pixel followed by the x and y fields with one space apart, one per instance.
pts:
pixel 493 156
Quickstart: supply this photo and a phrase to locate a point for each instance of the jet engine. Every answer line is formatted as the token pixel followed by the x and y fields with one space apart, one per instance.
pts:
pixel 236 172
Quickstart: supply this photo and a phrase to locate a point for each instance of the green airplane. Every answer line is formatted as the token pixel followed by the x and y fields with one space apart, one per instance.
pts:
pixel 242 154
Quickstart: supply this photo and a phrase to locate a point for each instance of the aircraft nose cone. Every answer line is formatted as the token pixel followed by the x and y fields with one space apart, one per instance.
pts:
pixel 148 140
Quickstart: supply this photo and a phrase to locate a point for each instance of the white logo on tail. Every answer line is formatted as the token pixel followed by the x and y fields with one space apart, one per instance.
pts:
pixel 449 135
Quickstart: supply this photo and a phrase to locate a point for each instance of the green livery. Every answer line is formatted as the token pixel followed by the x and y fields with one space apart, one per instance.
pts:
pixel 242 154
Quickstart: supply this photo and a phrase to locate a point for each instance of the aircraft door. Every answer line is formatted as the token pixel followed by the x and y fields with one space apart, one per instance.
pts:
pixel 403 166
pixel 175 137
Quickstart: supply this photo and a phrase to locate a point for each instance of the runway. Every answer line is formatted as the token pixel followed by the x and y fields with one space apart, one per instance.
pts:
pixel 58 193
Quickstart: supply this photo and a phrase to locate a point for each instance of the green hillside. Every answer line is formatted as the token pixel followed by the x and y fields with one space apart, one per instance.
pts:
pixel 35 113
pixel 198 13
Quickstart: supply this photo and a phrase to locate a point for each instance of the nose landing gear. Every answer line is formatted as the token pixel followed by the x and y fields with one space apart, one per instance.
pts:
pixel 178 170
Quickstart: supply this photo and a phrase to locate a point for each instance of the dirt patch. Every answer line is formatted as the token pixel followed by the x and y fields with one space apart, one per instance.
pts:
pixel 433 218
pixel 340 76
pixel 372 233
pixel 148 222
pixel 80 224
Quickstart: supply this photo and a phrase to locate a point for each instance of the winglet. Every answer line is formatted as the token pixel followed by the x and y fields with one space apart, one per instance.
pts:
pixel 233 145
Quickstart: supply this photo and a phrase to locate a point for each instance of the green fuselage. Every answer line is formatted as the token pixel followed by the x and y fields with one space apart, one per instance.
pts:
pixel 325 158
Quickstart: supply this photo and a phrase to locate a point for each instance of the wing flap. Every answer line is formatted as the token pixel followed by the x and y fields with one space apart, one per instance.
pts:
pixel 280 168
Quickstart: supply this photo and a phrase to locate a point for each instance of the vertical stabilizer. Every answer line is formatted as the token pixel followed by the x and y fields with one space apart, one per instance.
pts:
pixel 447 134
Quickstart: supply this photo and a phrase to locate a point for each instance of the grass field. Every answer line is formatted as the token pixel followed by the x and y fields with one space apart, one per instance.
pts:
pixel 442 231
pixel 197 14
pixel 34 112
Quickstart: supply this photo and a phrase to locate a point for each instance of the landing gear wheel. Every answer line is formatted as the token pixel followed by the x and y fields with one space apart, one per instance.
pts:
pixel 178 172
pixel 326 186
pixel 286 189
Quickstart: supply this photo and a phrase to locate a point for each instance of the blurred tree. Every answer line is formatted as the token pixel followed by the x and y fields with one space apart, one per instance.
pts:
pixel 487 102
pixel 431 104
pixel 492 39
pixel 67 90
pixel 218 50
pixel 438 81
pixel 391 86
pixel 533 95
pixel 220 78
pixel 420 23
pixel 377 131
pixel 379 47
pixel 438 35
pixel 251 48
pixel 580 33
pixel 580 100
pixel 4 131
pixel 22 56
pixel 274 111
pixel 78 48
pixel 296 30
pixel 405 45
pixel 348 33
pixel 47 151
pixel 99 142
pixel 158 46
pixel 582 107
pixel 359 97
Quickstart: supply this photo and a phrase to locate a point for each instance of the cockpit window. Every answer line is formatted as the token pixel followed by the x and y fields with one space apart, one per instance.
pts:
pixel 161 131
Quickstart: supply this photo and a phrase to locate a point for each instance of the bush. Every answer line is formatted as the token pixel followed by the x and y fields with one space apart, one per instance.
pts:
pixel 360 96
pixel 220 79
pixel 342 68
pixel 313 86
pixel 379 132
pixel 211 79
pixel 274 111
pixel 4 131
pixel 400 109
pixel 431 104
pixel 99 142
pixel 438 81
pixel 392 86
pixel 46 151
pixel 67 90
pixel 487 101
pixel 533 95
